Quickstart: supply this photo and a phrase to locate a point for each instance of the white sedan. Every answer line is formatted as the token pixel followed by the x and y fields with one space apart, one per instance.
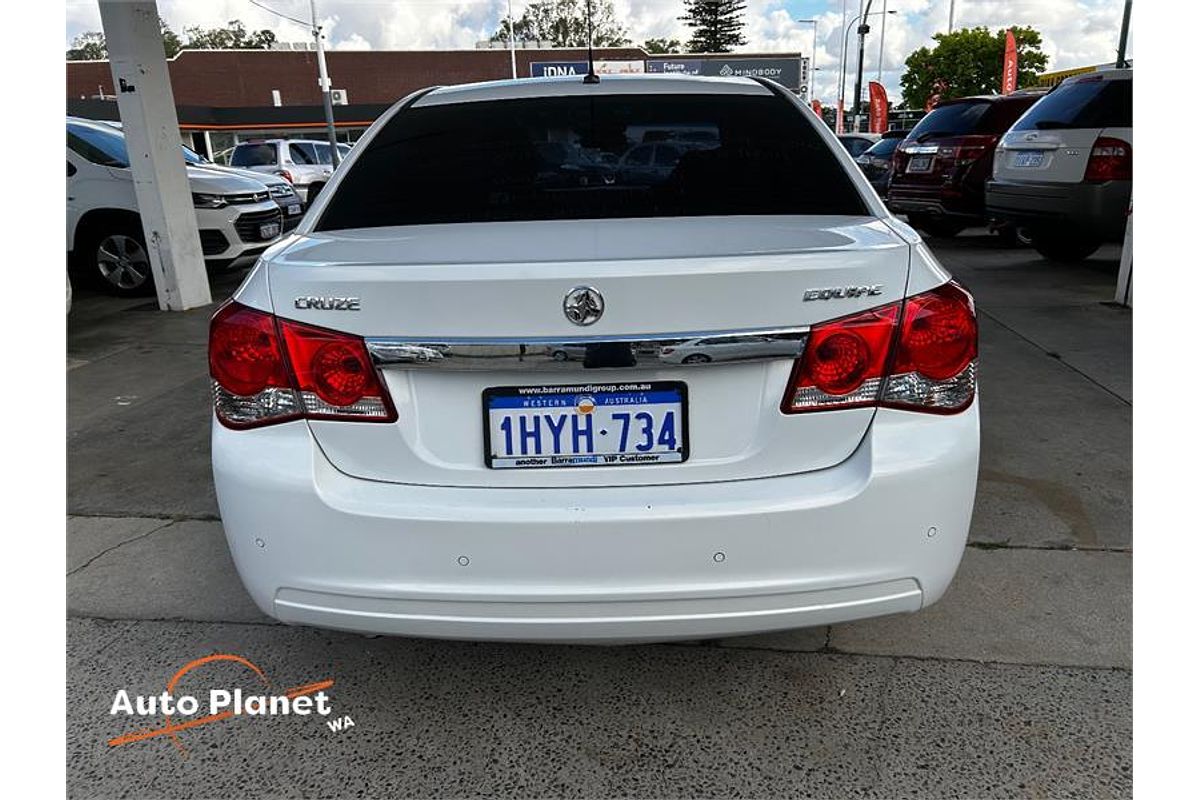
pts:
pixel 819 467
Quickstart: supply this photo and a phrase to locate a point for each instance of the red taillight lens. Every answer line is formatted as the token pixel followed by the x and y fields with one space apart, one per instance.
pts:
pixel 843 362
pixel 287 176
pixel 334 374
pixel 938 335
pixel 1111 160
pixel 266 370
pixel 243 351
pixel 846 361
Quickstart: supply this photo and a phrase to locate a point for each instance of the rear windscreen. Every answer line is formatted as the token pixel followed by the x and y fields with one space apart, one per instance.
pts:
pixel 955 119
pixel 1088 103
pixel 596 157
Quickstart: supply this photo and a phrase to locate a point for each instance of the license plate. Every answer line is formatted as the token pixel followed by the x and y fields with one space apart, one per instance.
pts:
pixel 293 209
pixel 1027 158
pixel 268 230
pixel 591 425
pixel 920 164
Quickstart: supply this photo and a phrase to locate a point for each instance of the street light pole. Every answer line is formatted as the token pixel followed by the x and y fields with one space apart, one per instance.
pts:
pixel 863 29
pixel 512 41
pixel 326 87
pixel 1121 64
pixel 882 31
pixel 950 26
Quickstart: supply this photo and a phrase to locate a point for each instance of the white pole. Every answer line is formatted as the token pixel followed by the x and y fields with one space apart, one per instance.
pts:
pixel 882 31
pixel 842 62
pixel 151 126
pixel 325 87
pixel 950 27
pixel 512 41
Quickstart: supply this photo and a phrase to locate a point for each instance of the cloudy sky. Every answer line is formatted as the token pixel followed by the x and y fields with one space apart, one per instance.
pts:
pixel 1076 32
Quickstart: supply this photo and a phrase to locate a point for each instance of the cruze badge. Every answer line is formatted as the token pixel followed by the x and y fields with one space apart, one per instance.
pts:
pixel 330 303
pixel 840 292
pixel 583 305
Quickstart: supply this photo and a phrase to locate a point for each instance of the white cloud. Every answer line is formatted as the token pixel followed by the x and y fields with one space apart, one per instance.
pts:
pixel 1075 32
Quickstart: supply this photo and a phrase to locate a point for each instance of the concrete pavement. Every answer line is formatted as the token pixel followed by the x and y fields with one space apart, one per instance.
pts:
pixel 1016 684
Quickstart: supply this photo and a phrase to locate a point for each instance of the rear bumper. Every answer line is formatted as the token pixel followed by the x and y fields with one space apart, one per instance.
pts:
pixel 880 533
pixel 947 201
pixel 1098 208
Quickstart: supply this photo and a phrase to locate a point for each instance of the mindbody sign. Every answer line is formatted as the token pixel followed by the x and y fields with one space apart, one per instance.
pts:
pixel 877 114
pixel 785 71
pixel 1008 79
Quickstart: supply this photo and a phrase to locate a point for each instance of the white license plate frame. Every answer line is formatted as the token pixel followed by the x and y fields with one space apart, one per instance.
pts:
pixel 567 400
pixel 1028 159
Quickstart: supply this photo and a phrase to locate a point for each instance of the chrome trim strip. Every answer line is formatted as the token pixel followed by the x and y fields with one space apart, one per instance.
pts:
pixel 548 354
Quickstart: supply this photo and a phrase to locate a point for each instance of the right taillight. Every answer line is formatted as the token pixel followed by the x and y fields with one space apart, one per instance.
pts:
pixel 267 370
pixel 1110 160
pixel 917 355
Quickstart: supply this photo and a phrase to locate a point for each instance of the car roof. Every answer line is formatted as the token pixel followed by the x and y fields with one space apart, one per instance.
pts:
pixel 573 85
pixel 1101 74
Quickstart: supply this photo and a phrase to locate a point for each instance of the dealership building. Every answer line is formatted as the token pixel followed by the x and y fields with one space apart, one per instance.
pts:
pixel 226 96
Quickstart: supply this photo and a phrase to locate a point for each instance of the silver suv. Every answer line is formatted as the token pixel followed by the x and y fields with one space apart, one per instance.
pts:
pixel 1064 170
pixel 306 164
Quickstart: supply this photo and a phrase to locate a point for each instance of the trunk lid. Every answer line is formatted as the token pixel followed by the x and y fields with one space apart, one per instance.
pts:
pixel 681 276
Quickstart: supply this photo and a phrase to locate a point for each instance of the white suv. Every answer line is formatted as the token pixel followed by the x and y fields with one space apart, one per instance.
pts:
pixel 307 165
pixel 403 442
pixel 236 215
pixel 1064 171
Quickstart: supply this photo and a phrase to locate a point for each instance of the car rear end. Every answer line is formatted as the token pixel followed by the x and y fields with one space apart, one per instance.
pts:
pixel 1066 167
pixel 400 445
pixel 876 161
pixel 939 171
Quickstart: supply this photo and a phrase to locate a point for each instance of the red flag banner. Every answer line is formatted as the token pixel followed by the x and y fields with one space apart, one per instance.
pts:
pixel 816 106
pixel 840 126
pixel 1008 78
pixel 877 115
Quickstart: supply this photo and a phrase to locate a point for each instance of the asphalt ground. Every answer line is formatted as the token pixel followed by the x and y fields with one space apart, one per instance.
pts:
pixel 1017 684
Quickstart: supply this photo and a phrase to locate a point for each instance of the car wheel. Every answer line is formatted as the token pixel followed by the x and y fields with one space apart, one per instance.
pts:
pixel 119 261
pixel 696 358
pixel 934 226
pixel 1065 249
pixel 559 355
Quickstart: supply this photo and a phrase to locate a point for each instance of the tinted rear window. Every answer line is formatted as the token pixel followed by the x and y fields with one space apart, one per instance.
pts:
pixel 592 158
pixel 253 155
pixel 971 117
pixel 1083 104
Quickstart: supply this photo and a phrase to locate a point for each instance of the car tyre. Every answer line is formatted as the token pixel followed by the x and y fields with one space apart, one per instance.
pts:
pixel 116 258
pixel 560 355
pixel 1065 249
pixel 696 358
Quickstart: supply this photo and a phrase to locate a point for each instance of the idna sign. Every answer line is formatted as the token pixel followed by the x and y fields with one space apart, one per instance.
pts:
pixel 554 69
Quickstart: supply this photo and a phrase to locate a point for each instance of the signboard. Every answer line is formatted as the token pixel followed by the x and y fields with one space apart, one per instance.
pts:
pixel 805 77
pixel 554 69
pixel 785 71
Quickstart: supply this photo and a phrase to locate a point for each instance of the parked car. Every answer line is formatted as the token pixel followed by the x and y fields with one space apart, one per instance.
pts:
pixel 498 493
pixel 1064 171
pixel 876 160
pixel 282 192
pixel 857 143
pixel 939 170
pixel 235 214
pixel 307 165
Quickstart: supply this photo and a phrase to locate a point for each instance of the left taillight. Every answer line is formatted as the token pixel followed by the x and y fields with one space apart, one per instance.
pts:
pixel 267 370
pixel 918 355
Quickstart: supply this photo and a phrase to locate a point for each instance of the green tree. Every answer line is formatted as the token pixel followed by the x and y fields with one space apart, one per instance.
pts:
pixel 662 46
pixel 88 46
pixel 233 36
pixel 91 46
pixel 716 25
pixel 565 23
pixel 968 62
